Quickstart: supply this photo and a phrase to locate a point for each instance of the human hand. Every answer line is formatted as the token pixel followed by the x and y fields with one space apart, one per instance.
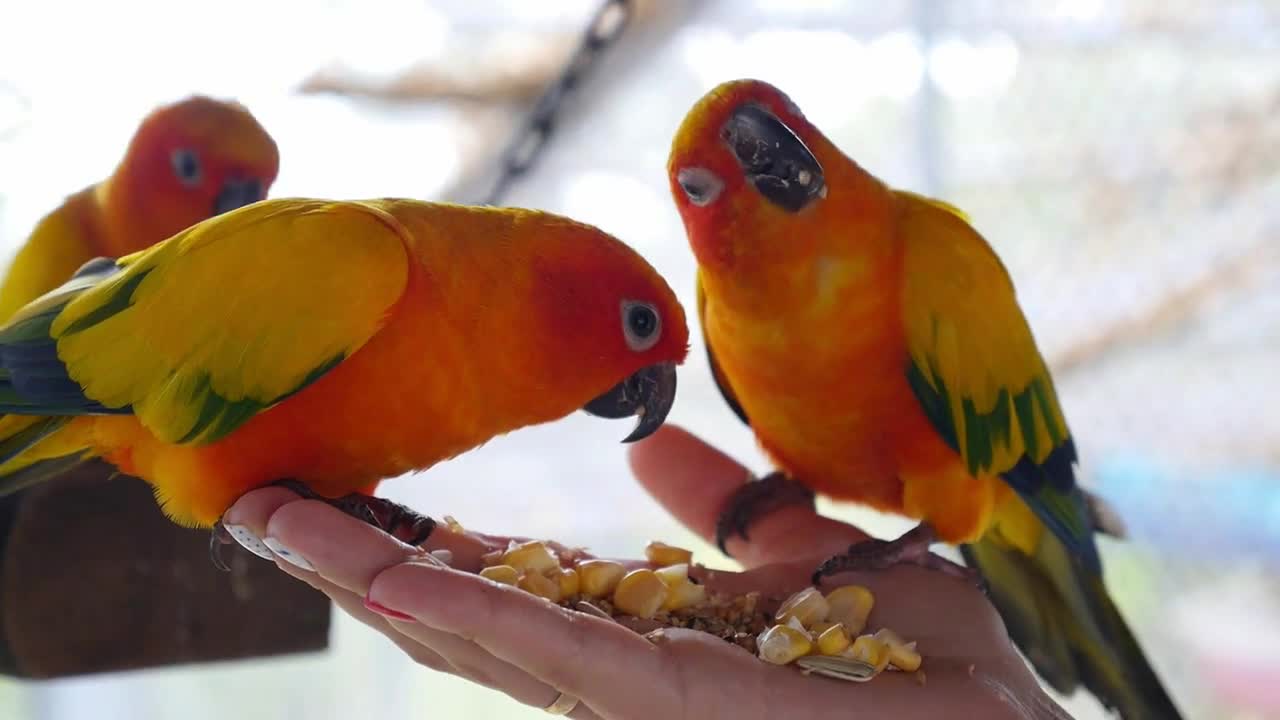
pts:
pixel 454 621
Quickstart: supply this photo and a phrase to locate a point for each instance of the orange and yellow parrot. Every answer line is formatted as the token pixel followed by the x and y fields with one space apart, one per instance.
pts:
pixel 331 345
pixel 188 161
pixel 872 340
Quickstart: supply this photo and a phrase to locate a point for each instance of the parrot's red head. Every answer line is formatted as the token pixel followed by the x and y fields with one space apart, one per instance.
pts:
pixel 743 156
pixel 762 191
pixel 616 320
pixel 187 162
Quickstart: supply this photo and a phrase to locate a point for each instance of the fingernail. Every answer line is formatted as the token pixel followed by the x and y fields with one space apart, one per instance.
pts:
pixel 384 610
pixel 249 541
pixel 443 555
pixel 292 557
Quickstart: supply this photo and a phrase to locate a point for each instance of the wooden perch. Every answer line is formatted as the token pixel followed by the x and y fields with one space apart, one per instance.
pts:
pixel 94 578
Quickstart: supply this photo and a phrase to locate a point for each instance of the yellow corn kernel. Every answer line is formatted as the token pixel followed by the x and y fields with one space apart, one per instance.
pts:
pixel 822 626
pixel 660 553
pixel 782 644
pixel 673 575
pixel 686 594
pixel 833 640
pixel 869 650
pixel 902 655
pixel 532 556
pixel 569 581
pixel 540 585
pixel 808 606
pixel 598 578
pixel 640 593
pixel 504 574
pixel 850 606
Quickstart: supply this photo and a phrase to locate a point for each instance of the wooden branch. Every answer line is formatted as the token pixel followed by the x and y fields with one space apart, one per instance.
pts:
pixel 94 578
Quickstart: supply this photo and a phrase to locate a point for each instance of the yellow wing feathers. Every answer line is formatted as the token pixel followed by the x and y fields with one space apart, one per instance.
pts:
pixel 975 364
pixel 200 332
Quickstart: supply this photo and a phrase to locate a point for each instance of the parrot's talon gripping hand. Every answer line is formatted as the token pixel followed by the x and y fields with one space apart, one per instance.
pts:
pixel 398 521
pixel 218 537
pixel 755 500
pixel 911 547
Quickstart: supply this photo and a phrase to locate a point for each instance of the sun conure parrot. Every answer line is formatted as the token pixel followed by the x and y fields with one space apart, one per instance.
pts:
pixel 331 345
pixel 872 340
pixel 188 161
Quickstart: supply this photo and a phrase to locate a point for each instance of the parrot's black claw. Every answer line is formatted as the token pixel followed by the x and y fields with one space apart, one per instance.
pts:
pixel 398 521
pixel 755 500
pixel 218 537
pixel 911 547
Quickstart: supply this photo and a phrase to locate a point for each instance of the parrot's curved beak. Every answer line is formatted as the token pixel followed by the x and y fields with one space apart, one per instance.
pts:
pixel 236 193
pixel 648 393
pixel 774 159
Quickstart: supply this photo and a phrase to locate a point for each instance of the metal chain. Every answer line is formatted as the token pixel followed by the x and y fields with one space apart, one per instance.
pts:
pixel 531 139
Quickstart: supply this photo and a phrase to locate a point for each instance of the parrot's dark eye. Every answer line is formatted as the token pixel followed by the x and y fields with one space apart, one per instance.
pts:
pixel 641 325
pixel 700 185
pixel 186 166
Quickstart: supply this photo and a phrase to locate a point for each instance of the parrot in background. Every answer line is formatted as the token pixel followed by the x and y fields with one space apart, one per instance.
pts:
pixel 329 345
pixel 187 162
pixel 872 340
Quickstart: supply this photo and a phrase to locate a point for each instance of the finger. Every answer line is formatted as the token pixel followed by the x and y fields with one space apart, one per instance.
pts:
pixel 353 605
pixel 570 652
pixel 694 482
pixel 473 662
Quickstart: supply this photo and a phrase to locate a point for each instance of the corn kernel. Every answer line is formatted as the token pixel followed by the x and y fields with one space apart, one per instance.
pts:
pixel 822 626
pixel 902 655
pixel 808 606
pixel 540 585
pixel 598 578
pixel 504 574
pixel 850 606
pixel 531 556
pixel 673 575
pixel 782 644
pixel 794 623
pixel 640 593
pixel 685 595
pixel 833 640
pixel 869 650
pixel 493 557
pixel 660 553
pixel 569 581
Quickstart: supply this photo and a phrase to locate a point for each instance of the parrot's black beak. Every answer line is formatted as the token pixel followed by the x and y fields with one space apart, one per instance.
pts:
pixel 237 193
pixel 649 394
pixel 774 159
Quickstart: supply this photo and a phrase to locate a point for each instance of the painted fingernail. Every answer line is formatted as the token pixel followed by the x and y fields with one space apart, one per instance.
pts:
pixel 290 556
pixel 384 610
pixel 249 541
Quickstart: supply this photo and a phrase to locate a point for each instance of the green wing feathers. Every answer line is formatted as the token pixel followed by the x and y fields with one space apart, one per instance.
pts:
pixel 1061 617
pixel 201 332
pixel 976 371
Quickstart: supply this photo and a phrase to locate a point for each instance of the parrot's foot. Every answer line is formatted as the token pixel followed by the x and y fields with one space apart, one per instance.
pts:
pixel 755 500
pixel 911 547
pixel 398 521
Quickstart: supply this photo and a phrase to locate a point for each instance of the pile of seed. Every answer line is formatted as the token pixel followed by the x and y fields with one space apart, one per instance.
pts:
pixel 822 634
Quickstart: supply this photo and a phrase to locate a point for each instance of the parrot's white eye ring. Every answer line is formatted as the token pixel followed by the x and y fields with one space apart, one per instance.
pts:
pixel 700 185
pixel 641 325
pixel 186 166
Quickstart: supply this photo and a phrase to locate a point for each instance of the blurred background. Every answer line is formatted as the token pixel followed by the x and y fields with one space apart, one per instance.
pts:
pixel 1123 157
